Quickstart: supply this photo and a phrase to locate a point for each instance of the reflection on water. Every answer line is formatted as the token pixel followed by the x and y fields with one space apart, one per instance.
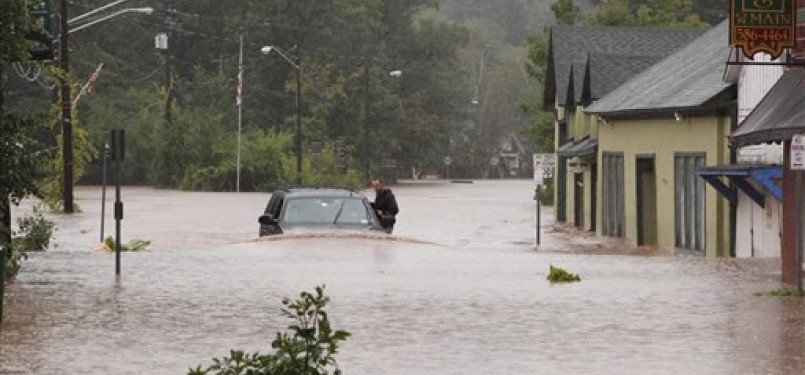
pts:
pixel 477 302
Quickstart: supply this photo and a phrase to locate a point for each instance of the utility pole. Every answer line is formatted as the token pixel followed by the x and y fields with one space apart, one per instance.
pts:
pixel 67 109
pixel 366 114
pixel 168 78
pixel 240 109
pixel 298 116
pixel 6 200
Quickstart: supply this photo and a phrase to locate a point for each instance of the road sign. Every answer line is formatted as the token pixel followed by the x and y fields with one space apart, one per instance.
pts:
pixel 543 167
pixel 448 160
pixel 798 153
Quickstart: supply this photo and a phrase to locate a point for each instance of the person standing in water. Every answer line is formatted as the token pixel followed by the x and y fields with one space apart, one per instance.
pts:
pixel 385 205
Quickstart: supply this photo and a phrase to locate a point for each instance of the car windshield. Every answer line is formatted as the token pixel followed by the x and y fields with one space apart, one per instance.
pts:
pixel 317 210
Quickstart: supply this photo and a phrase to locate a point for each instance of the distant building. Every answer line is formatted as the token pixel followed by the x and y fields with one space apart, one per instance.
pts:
pixel 584 64
pixel 655 131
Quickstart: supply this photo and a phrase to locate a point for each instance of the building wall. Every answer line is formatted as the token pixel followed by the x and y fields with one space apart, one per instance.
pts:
pixel 581 125
pixel 754 83
pixel 664 138
pixel 757 229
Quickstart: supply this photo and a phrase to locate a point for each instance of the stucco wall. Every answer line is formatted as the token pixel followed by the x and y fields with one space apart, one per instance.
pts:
pixel 581 125
pixel 664 138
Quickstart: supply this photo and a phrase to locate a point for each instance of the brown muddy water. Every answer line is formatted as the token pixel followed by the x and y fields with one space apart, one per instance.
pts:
pixel 459 289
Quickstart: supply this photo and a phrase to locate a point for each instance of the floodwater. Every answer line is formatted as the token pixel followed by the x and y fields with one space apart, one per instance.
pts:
pixel 459 289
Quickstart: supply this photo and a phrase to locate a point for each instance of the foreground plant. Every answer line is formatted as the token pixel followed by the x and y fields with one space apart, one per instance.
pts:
pixel 782 292
pixel 132 246
pixel 559 275
pixel 307 348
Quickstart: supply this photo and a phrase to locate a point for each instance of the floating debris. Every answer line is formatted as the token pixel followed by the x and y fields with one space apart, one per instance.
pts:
pixel 559 275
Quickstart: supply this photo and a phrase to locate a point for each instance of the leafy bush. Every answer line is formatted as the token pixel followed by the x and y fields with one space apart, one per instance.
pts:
pixel 309 348
pixel 36 232
pixel 13 261
pixel 559 275
pixel 132 246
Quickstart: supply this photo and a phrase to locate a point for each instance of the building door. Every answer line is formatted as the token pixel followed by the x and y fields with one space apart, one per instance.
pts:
pixel 578 200
pixel 689 202
pixel 646 179
pixel 612 192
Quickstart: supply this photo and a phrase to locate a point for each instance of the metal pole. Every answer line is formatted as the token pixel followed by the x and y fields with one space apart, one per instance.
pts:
pixel 67 106
pixel 298 118
pixel 367 113
pixel 240 110
pixel 800 212
pixel 168 79
pixel 2 280
pixel 103 187
pixel 539 214
pixel 118 204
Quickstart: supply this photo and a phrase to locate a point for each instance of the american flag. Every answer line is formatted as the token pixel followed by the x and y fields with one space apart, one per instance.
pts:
pixel 239 95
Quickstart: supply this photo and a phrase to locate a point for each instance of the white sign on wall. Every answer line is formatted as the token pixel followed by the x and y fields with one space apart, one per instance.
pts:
pixel 798 153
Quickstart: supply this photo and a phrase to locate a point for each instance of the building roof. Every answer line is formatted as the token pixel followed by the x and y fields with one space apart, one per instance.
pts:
pixel 582 147
pixel 688 80
pixel 569 44
pixel 777 117
pixel 608 71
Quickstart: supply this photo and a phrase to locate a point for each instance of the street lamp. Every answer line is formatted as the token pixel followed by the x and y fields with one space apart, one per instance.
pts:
pixel 67 105
pixel 297 137
pixel 367 149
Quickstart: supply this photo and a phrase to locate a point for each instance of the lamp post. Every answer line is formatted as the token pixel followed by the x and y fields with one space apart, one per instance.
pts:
pixel 367 148
pixel 298 128
pixel 67 105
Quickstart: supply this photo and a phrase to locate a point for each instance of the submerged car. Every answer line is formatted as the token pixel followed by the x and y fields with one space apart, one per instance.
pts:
pixel 317 209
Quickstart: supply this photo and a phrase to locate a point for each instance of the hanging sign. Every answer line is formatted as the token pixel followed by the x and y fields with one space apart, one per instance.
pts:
pixel 798 153
pixel 767 26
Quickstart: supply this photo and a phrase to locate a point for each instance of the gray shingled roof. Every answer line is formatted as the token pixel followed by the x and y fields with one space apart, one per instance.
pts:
pixel 607 71
pixel 780 114
pixel 686 80
pixel 571 44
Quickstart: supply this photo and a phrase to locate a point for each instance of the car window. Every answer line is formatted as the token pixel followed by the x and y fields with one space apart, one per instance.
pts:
pixel 326 211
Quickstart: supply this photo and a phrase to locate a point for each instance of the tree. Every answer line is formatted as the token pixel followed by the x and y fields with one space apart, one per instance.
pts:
pixel 566 12
pixel 678 14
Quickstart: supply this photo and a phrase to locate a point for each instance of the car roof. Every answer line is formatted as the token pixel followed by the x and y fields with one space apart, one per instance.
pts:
pixel 321 192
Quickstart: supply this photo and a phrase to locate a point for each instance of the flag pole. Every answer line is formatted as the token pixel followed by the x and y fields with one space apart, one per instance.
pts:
pixel 240 110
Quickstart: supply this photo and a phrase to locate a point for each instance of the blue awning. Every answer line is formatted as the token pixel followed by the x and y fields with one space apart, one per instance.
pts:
pixel 740 175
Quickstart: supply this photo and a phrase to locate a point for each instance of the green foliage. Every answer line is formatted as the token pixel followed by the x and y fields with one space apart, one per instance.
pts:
pixel 546 194
pixel 36 231
pixel 566 12
pixel 559 275
pixel 308 347
pixel 540 132
pixel 15 22
pixel 133 245
pixel 782 292
pixel 14 258
pixel 652 13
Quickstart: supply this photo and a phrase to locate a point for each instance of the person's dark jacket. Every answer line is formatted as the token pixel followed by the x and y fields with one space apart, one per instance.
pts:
pixel 387 205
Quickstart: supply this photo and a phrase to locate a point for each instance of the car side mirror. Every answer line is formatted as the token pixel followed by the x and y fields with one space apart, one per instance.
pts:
pixel 267 219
